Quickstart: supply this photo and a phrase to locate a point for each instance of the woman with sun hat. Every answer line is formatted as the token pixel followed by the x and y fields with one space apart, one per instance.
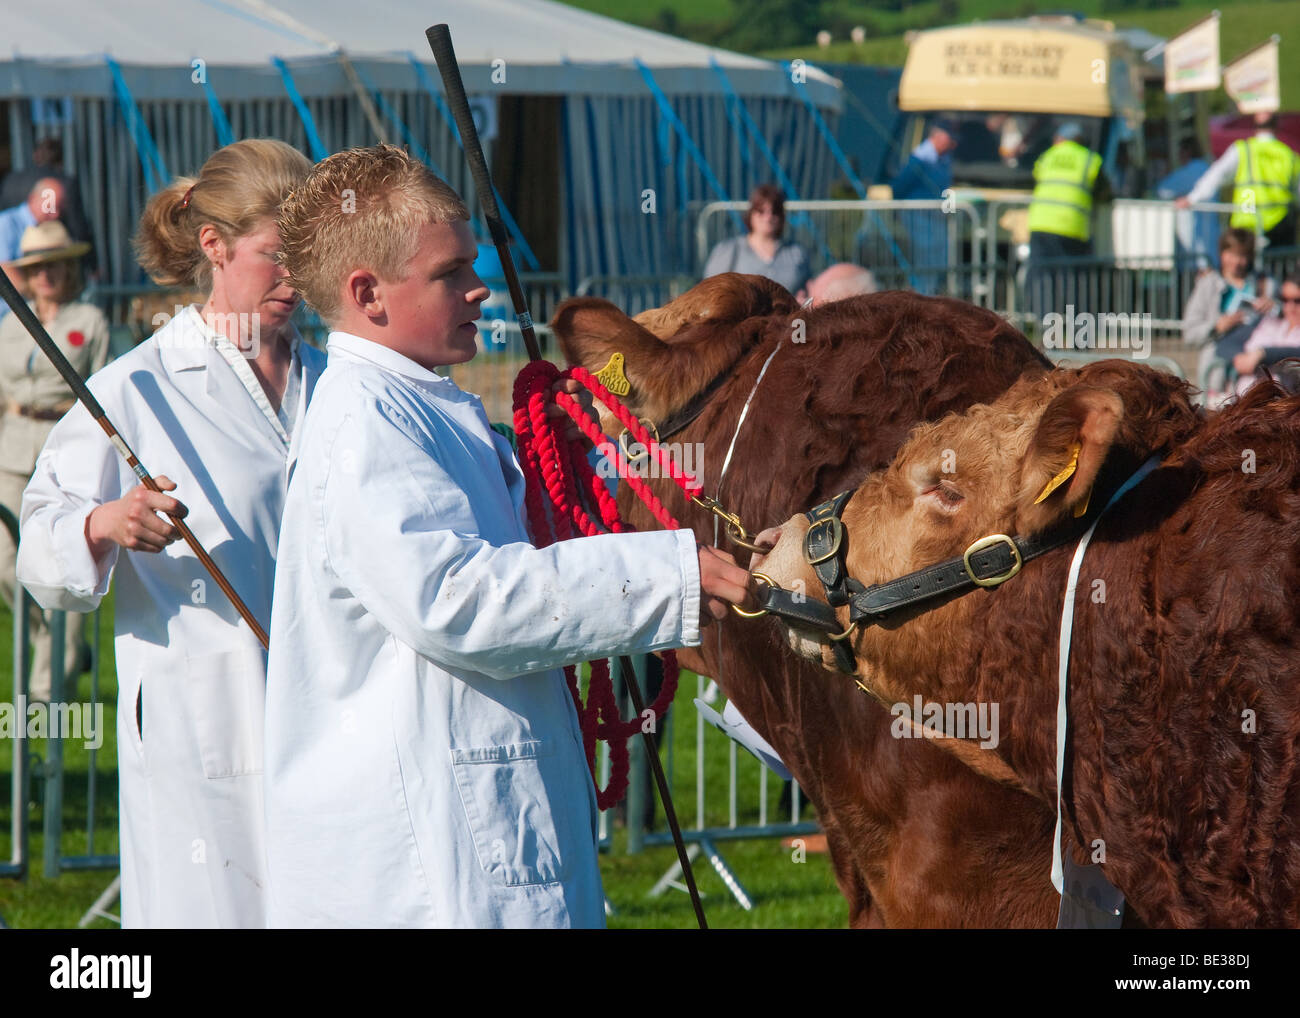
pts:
pixel 35 397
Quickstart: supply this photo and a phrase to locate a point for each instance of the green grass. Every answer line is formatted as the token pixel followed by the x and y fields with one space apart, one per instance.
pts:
pixel 58 902
pixel 787 894
pixel 1243 25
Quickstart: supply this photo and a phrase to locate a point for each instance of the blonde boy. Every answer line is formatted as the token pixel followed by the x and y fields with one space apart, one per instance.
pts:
pixel 424 763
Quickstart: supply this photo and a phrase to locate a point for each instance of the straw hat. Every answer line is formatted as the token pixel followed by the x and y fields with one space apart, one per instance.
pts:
pixel 47 242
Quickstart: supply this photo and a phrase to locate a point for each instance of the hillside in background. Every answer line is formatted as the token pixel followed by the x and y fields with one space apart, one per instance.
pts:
pixel 788 28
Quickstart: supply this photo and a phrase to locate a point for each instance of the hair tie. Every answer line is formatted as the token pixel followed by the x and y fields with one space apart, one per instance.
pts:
pixel 185 202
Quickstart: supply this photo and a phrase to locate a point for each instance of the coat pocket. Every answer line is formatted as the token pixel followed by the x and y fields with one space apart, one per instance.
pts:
pixel 515 824
pixel 226 696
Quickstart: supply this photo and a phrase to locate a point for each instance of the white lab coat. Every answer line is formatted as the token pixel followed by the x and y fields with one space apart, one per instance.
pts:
pixel 192 817
pixel 424 763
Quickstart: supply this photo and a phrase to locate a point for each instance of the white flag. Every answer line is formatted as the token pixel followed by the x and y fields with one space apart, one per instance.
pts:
pixel 1192 57
pixel 1251 79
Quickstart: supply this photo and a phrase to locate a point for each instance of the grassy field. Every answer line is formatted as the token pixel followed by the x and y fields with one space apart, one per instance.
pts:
pixel 788 894
pixel 1243 25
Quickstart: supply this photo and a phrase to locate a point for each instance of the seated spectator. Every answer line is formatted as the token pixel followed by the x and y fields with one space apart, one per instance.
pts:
pixel 43 203
pixel 762 252
pixel 1225 306
pixel 1274 339
pixel 841 280
pixel 47 162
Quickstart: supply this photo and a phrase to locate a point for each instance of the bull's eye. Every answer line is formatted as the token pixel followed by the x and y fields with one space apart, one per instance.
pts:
pixel 944 495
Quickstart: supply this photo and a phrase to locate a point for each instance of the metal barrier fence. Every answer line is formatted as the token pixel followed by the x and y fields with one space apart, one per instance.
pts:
pixel 932 247
pixel 1149 271
pixel 66 716
pixel 728 807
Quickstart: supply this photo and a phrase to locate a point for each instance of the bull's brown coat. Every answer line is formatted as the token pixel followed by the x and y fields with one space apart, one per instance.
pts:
pixel 916 839
pixel 1185 664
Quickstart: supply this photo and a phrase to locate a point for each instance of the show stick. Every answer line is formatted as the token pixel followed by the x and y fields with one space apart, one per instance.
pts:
pixel 48 347
pixel 444 54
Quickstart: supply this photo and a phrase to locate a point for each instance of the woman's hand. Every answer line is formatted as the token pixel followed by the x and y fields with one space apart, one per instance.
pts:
pixel 1229 321
pixel 132 521
pixel 1247 361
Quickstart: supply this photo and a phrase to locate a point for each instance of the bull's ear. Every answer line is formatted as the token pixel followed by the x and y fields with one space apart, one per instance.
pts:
pixel 1070 444
pixel 591 331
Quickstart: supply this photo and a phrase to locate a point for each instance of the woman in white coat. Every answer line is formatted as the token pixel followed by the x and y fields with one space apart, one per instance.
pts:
pixel 213 402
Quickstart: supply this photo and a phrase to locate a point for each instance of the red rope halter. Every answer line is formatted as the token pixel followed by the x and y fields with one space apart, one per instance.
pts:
pixel 571 485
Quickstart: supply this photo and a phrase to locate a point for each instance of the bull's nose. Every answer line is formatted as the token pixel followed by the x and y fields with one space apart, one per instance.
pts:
pixel 766 540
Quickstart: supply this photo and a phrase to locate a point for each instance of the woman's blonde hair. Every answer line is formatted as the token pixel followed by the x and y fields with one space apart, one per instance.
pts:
pixel 238 187
pixel 360 208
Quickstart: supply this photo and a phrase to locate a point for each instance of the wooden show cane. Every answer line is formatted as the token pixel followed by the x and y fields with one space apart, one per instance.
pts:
pixel 33 325
pixel 444 54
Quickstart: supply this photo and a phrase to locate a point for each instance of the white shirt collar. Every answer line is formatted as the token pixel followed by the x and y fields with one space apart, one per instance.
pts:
pixel 385 357
pixel 281 420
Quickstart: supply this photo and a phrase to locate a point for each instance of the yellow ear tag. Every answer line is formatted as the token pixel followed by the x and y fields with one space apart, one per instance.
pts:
pixel 1066 472
pixel 612 378
pixel 1082 507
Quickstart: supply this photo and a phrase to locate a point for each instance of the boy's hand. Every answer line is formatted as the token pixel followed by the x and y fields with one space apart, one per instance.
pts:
pixel 572 433
pixel 722 584
pixel 132 521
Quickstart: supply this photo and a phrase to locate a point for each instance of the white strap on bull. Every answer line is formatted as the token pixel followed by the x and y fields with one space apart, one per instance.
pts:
pixel 1067 629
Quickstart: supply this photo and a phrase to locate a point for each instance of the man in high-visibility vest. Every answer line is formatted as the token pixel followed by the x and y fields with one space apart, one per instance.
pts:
pixel 1067 177
pixel 1265 174
pixel 1060 213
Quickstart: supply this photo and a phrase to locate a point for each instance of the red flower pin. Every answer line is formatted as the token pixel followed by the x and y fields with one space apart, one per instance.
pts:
pixel 76 338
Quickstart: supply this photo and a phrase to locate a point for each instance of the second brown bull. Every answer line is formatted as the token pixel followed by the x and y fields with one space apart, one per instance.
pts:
pixel 1182 774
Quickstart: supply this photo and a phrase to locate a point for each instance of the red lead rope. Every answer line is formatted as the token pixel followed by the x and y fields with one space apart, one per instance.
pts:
pixel 562 468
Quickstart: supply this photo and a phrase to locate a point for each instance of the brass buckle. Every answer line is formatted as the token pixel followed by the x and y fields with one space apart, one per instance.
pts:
pixel 762 611
pixel 988 542
pixel 837 537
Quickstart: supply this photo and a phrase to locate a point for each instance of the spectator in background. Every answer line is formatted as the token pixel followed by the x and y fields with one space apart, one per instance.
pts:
pixel 1274 339
pixel 1067 179
pixel 1197 234
pixel 841 280
pixel 1224 307
pixel 926 175
pixel 35 396
pixel 761 251
pixel 1265 174
pixel 43 203
pixel 47 162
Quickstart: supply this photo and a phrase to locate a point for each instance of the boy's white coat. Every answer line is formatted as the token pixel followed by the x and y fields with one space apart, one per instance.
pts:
pixel 424 761
pixel 192 817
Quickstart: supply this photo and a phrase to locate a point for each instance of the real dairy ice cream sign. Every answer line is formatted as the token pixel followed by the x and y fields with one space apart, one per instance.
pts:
pixel 1007 59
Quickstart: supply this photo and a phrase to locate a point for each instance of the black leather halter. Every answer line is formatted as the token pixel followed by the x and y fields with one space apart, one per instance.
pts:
pixel 988 562
pixel 678 421
pixel 824 548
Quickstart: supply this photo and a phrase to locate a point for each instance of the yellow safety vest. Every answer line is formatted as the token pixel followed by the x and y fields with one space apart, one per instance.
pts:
pixel 1063 179
pixel 1266 176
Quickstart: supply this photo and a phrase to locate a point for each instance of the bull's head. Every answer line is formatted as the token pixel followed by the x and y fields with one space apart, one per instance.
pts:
pixel 671 353
pixel 1020 466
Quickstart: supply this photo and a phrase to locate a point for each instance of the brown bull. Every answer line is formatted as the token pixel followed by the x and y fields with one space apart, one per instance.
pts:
pixel 1183 774
pixel 915 838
